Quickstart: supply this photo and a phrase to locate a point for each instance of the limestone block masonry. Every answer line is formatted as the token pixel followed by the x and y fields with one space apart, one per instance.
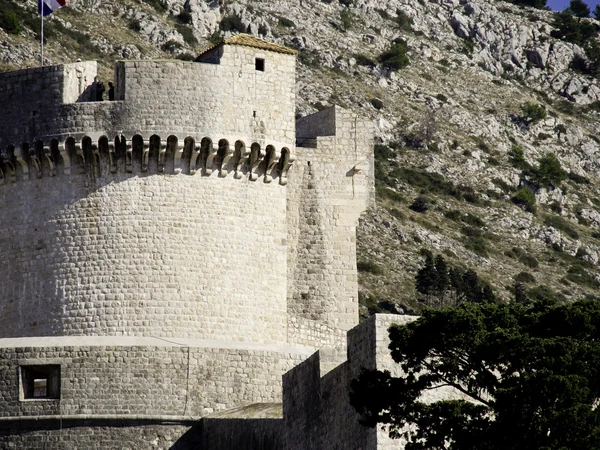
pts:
pixel 171 254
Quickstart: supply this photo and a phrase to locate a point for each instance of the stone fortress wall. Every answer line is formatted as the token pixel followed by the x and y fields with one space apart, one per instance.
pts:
pixel 225 98
pixel 172 253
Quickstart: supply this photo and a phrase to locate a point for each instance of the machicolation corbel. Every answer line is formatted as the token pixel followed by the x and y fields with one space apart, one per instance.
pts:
pixel 140 156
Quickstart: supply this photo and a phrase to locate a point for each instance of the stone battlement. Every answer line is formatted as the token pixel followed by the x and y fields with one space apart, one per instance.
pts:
pixel 139 156
pixel 228 96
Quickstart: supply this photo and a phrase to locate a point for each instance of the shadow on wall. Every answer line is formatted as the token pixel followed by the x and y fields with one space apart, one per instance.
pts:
pixel 239 434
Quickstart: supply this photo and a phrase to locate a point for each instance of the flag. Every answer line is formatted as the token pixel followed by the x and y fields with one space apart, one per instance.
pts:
pixel 47 7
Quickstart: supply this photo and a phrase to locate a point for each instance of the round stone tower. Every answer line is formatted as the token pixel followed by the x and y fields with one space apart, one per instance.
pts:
pixel 144 263
pixel 172 253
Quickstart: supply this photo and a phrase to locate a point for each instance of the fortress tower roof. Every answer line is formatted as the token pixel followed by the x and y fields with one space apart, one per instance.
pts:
pixel 247 40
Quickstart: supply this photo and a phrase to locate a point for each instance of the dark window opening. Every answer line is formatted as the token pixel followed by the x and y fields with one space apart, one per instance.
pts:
pixel 40 382
pixel 259 64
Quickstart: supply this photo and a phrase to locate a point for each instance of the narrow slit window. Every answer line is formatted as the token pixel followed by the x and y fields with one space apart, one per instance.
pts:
pixel 259 64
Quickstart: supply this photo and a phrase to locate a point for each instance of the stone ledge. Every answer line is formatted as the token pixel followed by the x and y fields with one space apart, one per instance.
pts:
pixel 134 341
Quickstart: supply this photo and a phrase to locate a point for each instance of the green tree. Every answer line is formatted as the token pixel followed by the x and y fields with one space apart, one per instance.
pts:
pixel 426 279
pixel 9 21
pixel 442 285
pixel 525 198
pixel 347 18
pixel 549 171
pixel 597 12
pixel 579 8
pixel 533 112
pixel 443 279
pixel 535 3
pixel 530 372
pixel 395 57
pixel 570 29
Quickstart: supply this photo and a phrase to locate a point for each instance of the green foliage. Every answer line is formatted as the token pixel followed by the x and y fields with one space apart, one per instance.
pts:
pixel 286 23
pixel 530 369
pixel 363 60
pixel 395 58
pixel 533 112
pixel 503 185
pixel 544 293
pixel 369 267
pixel 561 224
pixel 442 285
pixel 525 198
pixel 420 204
pixel 10 22
pixel 171 46
pixel 577 273
pixel 579 8
pixel 346 2
pixel 403 21
pixel 185 56
pixel 434 183
pixel 578 179
pixel 475 241
pixel 534 3
pixel 187 34
pixel 184 17
pixel 549 171
pixel 560 129
pixel 523 257
pixel 232 23
pixel 347 18
pixel 468 218
pixel 159 5
pixel 570 29
pixel 468 46
pixel 390 194
pixel 384 152
pixel 135 25
pixel 566 107
pixel 597 12
pixel 524 277
pixel 516 155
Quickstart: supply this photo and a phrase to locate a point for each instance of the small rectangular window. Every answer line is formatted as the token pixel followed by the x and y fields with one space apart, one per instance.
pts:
pixel 40 382
pixel 259 64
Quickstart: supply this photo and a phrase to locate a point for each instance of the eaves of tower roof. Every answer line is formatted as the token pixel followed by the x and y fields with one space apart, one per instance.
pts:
pixel 247 40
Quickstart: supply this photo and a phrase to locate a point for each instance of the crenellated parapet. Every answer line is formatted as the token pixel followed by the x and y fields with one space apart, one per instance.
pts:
pixel 139 155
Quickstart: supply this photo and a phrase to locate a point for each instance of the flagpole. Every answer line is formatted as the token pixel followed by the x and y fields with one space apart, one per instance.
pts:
pixel 41 3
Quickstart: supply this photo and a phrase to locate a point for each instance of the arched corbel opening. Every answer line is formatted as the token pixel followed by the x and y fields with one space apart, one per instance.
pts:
pixel 271 159
pixel 285 162
pixel 257 155
pixel 224 155
pixel 204 161
pixel 38 159
pixel 7 168
pixel 121 153
pixel 26 162
pixel 240 156
pixel 88 154
pixel 154 154
pixel 170 152
pixel 57 158
pixel 11 159
pixel 75 159
pixel 104 154
pixel 189 148
pixel 137 154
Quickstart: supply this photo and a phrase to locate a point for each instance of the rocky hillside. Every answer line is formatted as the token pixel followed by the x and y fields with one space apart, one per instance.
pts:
pixel 488 139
